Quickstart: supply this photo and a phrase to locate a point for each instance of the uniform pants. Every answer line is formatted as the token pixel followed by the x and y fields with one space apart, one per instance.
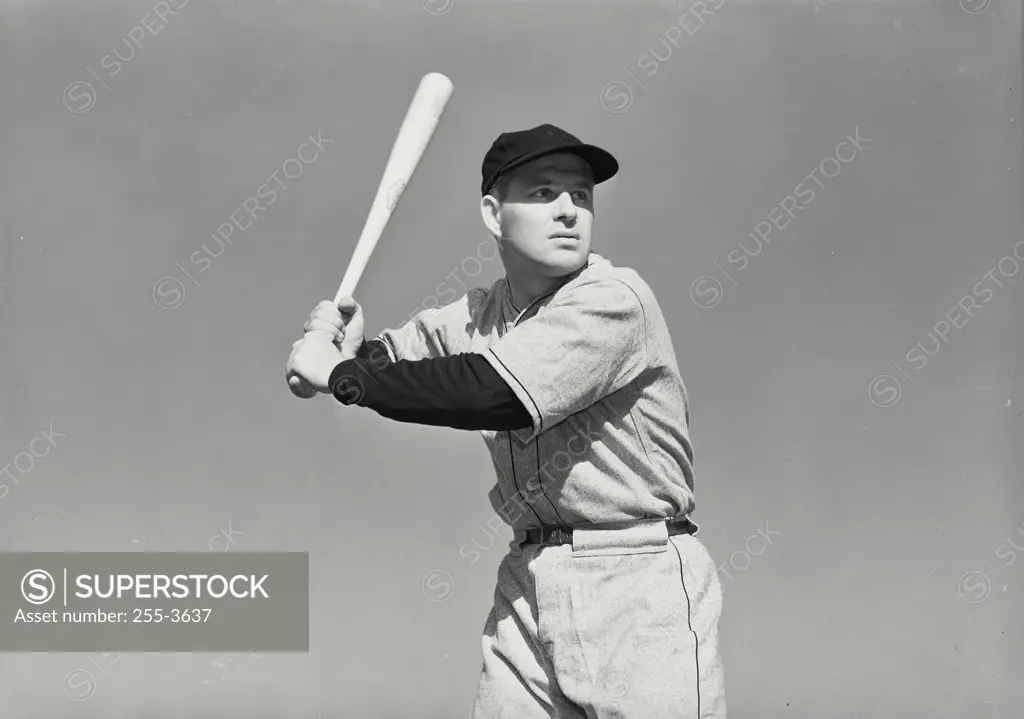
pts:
pixel 621 624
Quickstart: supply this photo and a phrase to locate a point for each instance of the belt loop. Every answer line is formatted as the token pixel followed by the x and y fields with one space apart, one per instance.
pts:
pixel 516 545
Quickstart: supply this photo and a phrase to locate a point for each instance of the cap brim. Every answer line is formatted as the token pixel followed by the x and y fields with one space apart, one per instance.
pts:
pixel 602 163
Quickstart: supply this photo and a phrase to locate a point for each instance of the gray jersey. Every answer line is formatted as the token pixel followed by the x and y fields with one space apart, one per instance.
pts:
pixel 593 363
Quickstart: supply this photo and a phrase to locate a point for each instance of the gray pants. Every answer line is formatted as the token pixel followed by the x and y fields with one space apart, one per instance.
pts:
pixel 622 624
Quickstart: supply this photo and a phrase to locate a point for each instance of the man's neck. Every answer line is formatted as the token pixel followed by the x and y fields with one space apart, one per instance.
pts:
pixel 526 288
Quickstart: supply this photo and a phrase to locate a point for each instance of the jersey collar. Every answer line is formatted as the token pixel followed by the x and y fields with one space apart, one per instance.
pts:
pixel 511 310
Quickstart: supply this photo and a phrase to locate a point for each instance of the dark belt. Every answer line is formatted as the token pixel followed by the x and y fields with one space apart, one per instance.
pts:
pixel 554 535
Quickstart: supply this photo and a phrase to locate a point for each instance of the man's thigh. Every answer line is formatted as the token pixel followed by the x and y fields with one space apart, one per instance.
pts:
pixel 605 636
pixel 517 680
pixel 641 633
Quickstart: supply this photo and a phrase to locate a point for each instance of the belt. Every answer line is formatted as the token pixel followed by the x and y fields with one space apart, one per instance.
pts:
pixel 555 535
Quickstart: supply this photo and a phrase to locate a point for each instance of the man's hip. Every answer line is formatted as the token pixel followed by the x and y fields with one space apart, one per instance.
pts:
pixel 621 622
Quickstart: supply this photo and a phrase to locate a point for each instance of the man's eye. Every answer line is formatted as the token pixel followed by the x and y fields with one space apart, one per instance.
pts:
pixel 543 192
pixel 582 194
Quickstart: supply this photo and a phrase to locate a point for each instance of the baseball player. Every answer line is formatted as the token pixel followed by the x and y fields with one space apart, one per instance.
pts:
pixel 607 605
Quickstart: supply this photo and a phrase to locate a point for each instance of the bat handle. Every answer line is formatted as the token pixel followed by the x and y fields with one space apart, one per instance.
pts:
pixel 351 278
pixel 301 388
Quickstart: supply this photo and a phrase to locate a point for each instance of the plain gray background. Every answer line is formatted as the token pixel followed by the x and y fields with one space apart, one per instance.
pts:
pixel 887 590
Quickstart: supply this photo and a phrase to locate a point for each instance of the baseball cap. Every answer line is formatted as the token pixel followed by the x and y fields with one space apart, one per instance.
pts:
pixel 513 149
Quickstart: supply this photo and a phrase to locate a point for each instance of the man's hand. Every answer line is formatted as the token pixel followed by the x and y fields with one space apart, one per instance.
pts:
pixel 333 333
pixel 344 322
pixel 313 358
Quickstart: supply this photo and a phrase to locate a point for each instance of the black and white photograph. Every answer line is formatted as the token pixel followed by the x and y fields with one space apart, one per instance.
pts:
pixel 511 359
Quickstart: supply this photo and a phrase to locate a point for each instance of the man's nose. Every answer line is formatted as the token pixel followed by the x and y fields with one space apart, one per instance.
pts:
pixel 566 208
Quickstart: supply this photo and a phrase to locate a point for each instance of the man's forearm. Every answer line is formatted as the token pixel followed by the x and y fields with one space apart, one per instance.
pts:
pixel 463 391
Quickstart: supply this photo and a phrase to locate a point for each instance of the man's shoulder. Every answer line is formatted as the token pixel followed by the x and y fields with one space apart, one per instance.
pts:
pixel 600 271
pixel 480 296
pixel 630 284
pixel 472 301
pixel 479 305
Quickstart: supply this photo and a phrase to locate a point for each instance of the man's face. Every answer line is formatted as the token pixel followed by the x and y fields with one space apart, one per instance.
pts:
pixel 547 214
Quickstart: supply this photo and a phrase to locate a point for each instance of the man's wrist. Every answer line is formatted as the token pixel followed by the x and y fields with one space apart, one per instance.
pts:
pixel 346 379
pixel 344 383
pixel 364 349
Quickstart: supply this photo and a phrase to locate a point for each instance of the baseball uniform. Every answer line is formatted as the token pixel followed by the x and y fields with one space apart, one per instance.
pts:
pixel 622 621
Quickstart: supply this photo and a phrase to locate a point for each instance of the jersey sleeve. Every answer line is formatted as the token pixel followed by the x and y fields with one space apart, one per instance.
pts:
pixel 583 346
pixel 432 333
pixel 462 391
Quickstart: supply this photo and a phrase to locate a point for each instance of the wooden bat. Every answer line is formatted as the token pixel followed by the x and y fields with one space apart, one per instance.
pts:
pixel 414 135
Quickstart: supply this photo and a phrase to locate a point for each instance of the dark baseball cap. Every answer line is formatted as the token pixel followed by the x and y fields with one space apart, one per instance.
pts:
pixel 513 149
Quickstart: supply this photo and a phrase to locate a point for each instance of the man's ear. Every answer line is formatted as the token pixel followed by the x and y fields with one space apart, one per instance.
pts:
pixel 490 212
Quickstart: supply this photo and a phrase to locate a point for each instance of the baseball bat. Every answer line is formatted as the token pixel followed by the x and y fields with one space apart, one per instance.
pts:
pixel 414 135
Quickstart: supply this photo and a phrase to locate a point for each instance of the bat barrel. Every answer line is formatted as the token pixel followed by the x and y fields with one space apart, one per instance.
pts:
pixel 414 135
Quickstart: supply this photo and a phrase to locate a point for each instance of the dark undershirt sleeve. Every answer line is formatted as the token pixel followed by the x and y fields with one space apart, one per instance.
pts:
pixel 462 391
